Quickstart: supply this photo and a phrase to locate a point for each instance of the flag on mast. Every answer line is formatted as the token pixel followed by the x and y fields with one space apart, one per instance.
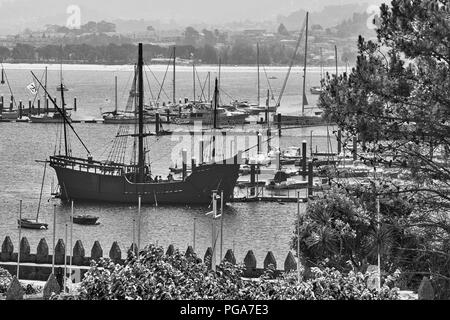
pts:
pixel 32 88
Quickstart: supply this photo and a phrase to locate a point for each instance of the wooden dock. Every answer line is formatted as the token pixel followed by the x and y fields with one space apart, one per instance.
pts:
pixel 280 199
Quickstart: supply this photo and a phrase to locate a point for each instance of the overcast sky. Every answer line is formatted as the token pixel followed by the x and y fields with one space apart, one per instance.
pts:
pixel 207 11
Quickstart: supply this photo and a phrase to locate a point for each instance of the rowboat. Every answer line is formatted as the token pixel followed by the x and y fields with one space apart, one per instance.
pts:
pixel 85 219
pixel 30 224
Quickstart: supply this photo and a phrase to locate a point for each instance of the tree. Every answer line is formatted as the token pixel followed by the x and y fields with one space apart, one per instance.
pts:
pixel 242 53
pixel 209 55
pixel 4 53
pixel 397 101
pixel 342 229
pixel 191 36
pixel 282 30
pixel 209 37
pixel 23 51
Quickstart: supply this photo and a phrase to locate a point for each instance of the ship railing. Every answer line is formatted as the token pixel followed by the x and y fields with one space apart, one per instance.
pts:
pixel 90 166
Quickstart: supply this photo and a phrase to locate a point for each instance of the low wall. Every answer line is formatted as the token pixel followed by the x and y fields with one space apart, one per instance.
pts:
pixel 37 266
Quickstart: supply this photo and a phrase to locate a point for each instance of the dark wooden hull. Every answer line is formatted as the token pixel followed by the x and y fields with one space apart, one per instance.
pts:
pixel 195 189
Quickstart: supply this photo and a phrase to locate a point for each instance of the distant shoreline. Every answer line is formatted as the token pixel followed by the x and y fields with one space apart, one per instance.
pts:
pixel 181 67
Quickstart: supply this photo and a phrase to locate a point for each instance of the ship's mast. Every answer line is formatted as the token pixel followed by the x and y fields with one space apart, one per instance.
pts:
pixel 63 107
pixel 216 102
pixel 45 87
pixel 174 66
pixel 115 95
pixel 193 74
pixel 304 67
pixel 141 155
pixel 257 61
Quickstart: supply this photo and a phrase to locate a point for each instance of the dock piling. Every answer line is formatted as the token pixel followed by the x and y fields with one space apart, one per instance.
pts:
pixel 310 178
pixel 184 157
pixel 20 109
pixel 75 104
pixel 157 125
pixel 304 158
pixel 252 179
pixel 279 124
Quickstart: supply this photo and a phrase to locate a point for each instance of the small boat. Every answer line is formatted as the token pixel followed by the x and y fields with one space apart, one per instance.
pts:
pixel 85 219
pixel 49 118
pixel 64 88
pixel 316 90
pixel 9 115
pixel 34 224
pixel 30 224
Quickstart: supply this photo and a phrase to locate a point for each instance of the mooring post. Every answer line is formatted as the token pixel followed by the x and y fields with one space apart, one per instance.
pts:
pixel 167 116
pixel 54 239
pixel 46 105
pixel 258 140
pixel 184 156
pixel 11 102
pixel 252 178
pixel 1 103
pixel 304 158
pixel 139 226
pixel 200 151
pixel 39 106
pixel 30 107
pixel 20 231
pixel 193 164
pixel 277 160
pixel 279 124
pixel 75 104
pixel 310 178
pixel 157 123
pixel 20 109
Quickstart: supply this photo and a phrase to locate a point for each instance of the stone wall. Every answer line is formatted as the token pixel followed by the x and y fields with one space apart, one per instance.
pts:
pixel 37 266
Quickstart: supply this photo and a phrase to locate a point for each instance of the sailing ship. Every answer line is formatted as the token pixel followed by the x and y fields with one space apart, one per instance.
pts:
pixel 114 181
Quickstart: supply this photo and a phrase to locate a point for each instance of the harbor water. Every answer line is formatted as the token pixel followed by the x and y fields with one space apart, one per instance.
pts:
pixel 260 227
